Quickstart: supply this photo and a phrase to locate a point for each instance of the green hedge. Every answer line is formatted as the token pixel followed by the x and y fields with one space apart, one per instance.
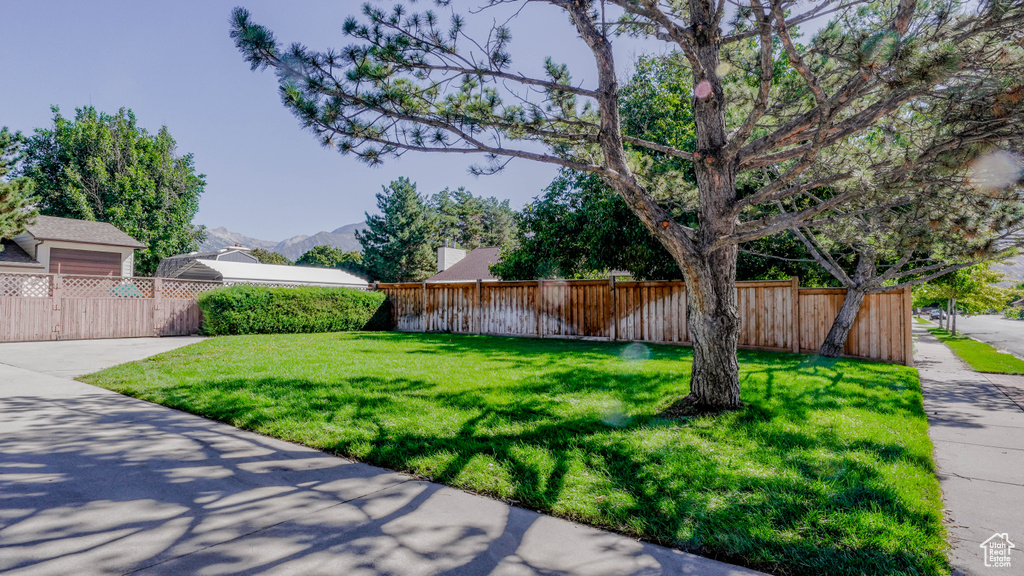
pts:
pixel 263 310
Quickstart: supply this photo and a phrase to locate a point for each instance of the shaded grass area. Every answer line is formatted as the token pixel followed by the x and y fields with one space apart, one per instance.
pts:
pixel 827 471
pixel 979 355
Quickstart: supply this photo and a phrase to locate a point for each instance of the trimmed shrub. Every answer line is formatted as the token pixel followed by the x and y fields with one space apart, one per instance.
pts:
pixel 264 310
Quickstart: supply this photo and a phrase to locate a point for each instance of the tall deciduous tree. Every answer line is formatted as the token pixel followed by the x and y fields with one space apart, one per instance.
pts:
pixel 410 82
pixel 16 210
pixel 398 243
pixel 105 167
pixel 972 289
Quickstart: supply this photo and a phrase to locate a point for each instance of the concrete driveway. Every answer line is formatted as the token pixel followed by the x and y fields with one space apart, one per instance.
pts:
pixel 998 331
pixel 93 482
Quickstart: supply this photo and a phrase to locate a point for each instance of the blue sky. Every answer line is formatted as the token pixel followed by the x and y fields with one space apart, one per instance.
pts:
pixel 174 64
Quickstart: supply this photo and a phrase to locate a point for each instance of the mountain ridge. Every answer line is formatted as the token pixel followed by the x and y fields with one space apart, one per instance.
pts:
pixel 343 238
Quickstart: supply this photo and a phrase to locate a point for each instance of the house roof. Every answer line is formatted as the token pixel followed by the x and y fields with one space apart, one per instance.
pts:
pixel 475 266
pixel 269 273
pixel 86 231
pixel 14 254
pixel 168 266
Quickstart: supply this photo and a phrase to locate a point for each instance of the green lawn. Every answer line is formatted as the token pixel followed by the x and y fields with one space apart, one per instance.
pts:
pixel 921 320
pixel 979 355
pixel 827 471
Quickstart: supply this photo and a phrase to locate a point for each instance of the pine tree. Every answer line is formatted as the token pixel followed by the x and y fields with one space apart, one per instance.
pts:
pixel 472 221
pixel 16 209
pixel 398 243
pixel 774 119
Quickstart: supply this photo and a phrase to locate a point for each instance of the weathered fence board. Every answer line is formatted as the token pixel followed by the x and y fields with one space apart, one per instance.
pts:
pixel 776 315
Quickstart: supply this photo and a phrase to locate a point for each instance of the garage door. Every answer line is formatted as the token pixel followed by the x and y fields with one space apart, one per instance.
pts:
pixel 66 261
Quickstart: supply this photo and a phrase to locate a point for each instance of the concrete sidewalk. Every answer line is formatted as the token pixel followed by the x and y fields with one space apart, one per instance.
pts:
pixel 93 482
pixel 978 433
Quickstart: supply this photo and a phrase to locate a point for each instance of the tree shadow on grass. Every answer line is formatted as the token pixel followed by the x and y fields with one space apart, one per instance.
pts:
pixel 809 479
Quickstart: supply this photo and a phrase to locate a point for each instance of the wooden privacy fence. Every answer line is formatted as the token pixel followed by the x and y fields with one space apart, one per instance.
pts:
pixel 776 315
pixel 63 307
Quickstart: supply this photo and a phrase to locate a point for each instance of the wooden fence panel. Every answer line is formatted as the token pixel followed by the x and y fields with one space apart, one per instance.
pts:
pixel 178 317
pixel 880 331
pixel 88 318
pixel 26 319
pixel 406 306
pixel 450 308
pixel 775 315
pixel 508 309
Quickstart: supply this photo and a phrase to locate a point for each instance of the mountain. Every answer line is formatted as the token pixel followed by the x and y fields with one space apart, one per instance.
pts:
pixel 343 238
pixel 217 238
pixel 291 248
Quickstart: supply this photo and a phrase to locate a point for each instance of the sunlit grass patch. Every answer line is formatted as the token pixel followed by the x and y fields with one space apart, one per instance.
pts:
pixel 828 469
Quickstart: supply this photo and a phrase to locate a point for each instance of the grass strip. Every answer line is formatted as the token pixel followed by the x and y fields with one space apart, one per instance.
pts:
pixel 981 356
pixel 827 471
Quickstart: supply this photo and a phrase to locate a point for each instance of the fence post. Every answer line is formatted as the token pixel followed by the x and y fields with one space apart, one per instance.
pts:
pixel 158 288
pixel 795 315
pixel 56 294
pixel 613 332
pixel 539 308
pixel 477 304
pixel 906 322
pixel 426 314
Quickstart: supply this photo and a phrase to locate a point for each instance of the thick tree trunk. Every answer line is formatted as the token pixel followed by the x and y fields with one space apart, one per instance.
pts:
pixel 713 319
pixel 862 279
pixel 835 342
pixel 709 269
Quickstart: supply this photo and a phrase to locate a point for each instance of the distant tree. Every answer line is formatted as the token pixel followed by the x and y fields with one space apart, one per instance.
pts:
pixel 471 221
pixel 104 167
pixel 268 257
pixel 16 210
pixel 972 289
pixel 398 244
pixel 331 257
pixel 321 257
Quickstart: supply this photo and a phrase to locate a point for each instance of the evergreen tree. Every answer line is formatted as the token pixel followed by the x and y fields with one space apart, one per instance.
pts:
pixel 104 167
pixel 268 257
pixel 16 209
pixel 471 221
pixel 398 243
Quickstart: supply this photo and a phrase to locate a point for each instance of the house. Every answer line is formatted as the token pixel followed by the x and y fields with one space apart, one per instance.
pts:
pixel 168 266
pixel 237 266
pixel 455 265
pixel 67 246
